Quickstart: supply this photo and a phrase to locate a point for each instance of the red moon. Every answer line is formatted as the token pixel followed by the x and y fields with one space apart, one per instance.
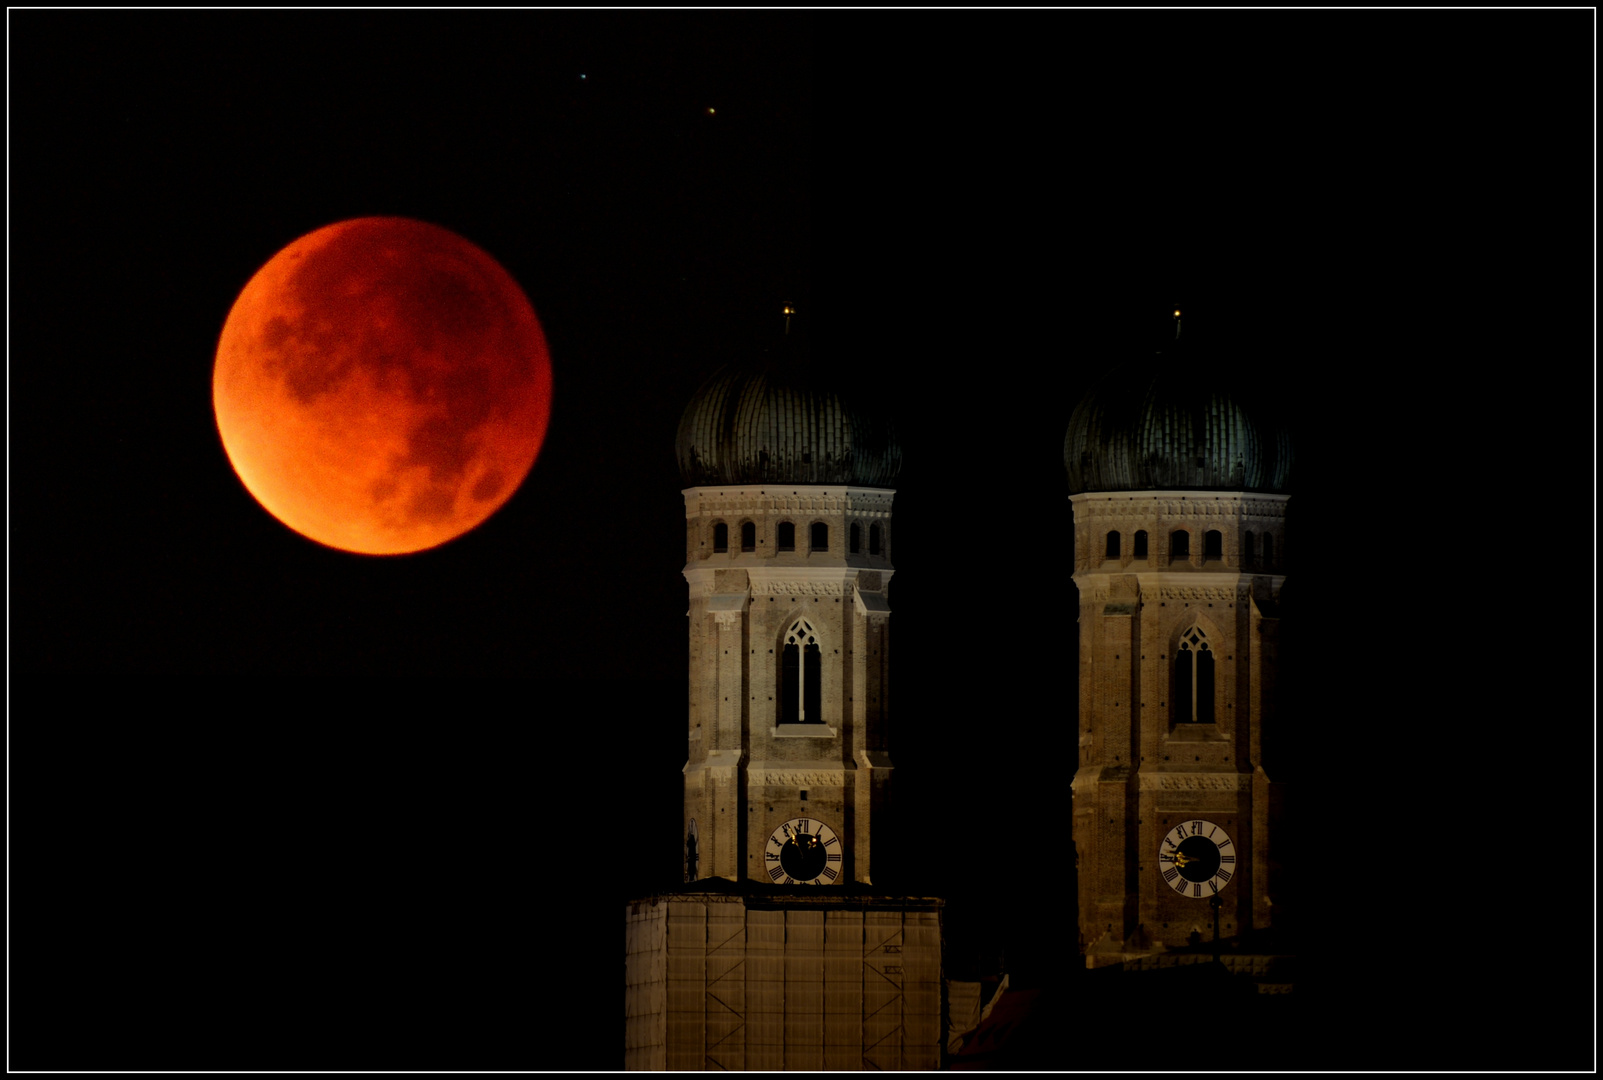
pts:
pixel 382 386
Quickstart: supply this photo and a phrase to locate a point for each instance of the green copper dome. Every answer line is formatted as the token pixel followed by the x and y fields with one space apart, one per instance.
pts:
pixel 783 420
pixel 1176 419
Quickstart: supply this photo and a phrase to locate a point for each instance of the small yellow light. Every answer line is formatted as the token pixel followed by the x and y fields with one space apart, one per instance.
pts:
pixel 1177 313
pixel 711 111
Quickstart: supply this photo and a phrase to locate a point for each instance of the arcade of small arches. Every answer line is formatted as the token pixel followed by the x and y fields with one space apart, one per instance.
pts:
pixel 1258 551
pixel 872 541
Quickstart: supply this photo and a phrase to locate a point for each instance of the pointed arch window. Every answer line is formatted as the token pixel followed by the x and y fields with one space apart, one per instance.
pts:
pixel 748 536
pixel 1213 545
pixel 1193 678
pixel 720 537
pixel 787 536
pixel 819 540
pixel 801 677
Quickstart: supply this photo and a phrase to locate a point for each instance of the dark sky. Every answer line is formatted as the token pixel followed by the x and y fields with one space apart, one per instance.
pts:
pixel 280 806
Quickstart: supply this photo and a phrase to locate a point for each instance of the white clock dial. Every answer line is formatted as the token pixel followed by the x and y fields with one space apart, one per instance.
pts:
pixel 803 851
pixel 1197 858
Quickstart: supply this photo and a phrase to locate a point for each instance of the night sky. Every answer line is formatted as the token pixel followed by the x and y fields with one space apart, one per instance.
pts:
pixel 279 806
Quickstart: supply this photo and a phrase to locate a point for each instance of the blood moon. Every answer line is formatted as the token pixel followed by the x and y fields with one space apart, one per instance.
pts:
pixel 382 385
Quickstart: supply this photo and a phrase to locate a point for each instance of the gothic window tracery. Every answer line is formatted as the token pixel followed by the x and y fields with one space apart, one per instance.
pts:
pixel 801 676
pixel 1193 678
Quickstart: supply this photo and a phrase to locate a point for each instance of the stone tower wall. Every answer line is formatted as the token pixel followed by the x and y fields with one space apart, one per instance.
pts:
pixel 747 771
pixel 1140 768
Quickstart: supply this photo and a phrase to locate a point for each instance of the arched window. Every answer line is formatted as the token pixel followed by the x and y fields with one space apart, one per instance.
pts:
pixel 720 537
pixel 748 536
pixel 1140 546
pixel 1113 545
pixel 856 538
pixel 1247 555
pixel 873 539
pixel 787 536
pixel 1180 544
pixel 1213 545
pixel 1268 550
pixel 1193 679
pixel 801 677
pixel 819 540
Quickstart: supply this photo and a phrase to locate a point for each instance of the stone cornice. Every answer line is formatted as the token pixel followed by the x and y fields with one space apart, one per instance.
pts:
pixel 719 770
pixel 788 581
pixel 1202 586
pixel 797 777
pixel 1161 781
pixel 773 498
pixel 1146 505
pixel 791 586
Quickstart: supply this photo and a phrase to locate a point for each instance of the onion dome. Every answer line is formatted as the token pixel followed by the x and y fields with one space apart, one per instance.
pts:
pixel 1176 419
pixel 783 420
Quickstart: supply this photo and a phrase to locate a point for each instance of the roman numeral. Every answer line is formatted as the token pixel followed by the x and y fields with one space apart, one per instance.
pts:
pixel 804 825
pixel 1227 858
pixel 833 856
pixel 831 874
pixel 1212 886
pixel 1223 874
pixel 1224 843
pixel 776 873
pixel 833 840
pixel 1180 886
pixel 771 856
pixel 1170 874
pixel 1196 827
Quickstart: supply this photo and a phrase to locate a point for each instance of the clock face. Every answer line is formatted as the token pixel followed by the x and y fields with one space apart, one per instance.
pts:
pixel 803 851
pixel 1197 858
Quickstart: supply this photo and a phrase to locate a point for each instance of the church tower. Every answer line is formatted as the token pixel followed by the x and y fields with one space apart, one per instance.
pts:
pixel 788 559
pixel 784 949
pixel 1179 481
